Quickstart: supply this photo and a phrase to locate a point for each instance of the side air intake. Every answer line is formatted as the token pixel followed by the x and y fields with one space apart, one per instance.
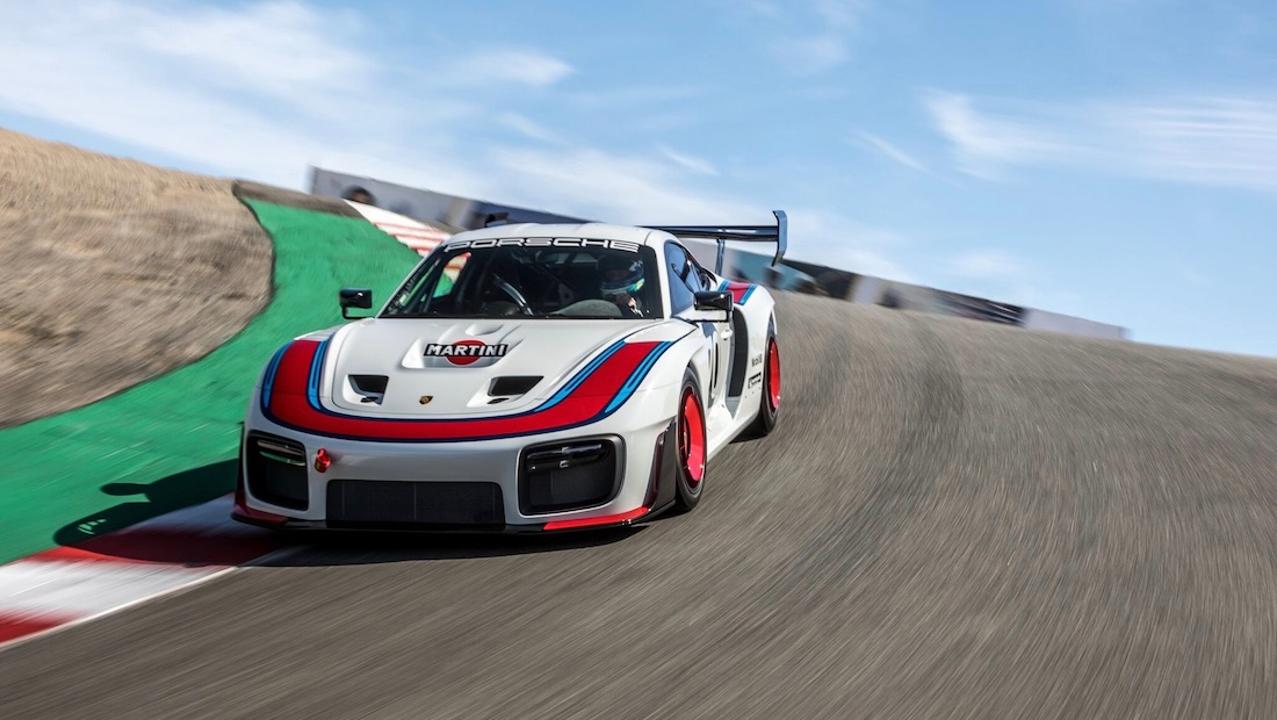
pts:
pixel 568 475
pixel 276 470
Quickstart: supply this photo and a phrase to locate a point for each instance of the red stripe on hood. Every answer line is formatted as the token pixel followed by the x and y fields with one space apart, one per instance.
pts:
pixel 288 404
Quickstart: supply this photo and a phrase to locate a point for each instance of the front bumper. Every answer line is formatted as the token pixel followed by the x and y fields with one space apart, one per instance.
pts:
pixel 641 489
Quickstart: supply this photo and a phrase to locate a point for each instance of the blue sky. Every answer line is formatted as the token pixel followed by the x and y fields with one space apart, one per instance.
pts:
pixel 1115 160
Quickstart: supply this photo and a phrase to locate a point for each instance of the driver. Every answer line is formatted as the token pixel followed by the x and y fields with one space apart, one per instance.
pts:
pixel 621 282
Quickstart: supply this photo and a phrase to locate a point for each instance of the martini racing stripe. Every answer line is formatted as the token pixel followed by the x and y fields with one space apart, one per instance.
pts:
pixel 290 397
pixel 740 291
pixel 270 372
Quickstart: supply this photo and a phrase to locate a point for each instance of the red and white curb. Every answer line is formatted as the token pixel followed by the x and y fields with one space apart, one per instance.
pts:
pixel 70 585
pixel 413 233
pixel 74 584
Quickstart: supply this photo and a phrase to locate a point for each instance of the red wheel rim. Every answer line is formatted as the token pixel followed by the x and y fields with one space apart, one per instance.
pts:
pixel 691 438
pixel 773 375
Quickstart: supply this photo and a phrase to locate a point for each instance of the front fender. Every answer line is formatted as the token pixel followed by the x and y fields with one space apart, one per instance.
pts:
pixel 689 348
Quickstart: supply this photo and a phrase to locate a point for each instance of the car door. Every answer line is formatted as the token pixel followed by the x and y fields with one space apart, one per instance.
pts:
pixel 687 278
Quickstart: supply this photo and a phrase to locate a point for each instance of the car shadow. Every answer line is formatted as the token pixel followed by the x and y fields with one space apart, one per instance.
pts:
pixel 336 548
pixel 99 534
pixel 148 500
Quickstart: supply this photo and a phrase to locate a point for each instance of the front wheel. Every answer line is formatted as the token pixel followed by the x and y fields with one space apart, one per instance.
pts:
pixel 692 448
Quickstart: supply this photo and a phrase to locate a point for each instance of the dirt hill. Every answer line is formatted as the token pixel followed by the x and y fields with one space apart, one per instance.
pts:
pixel 114 272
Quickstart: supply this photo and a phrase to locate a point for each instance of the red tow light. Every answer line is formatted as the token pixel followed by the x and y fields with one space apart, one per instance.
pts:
pixel 322 460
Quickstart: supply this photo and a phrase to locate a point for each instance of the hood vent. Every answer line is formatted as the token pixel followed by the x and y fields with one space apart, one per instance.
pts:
pixel 512 385
pixel 369 388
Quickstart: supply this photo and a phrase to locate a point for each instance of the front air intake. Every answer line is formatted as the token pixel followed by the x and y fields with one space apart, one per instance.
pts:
pixel 276 470
pixel 424 504
pixel 569 475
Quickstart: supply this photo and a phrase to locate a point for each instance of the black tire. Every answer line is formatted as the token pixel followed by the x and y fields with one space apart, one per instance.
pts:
pixel 768 403
pixel 688 487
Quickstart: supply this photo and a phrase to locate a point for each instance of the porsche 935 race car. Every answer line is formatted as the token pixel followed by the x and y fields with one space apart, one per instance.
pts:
pixel 521 378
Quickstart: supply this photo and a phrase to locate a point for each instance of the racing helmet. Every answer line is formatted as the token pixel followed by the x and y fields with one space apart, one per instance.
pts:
pixel 621 275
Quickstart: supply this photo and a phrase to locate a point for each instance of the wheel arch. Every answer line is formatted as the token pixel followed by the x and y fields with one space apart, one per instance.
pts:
pixel 684 353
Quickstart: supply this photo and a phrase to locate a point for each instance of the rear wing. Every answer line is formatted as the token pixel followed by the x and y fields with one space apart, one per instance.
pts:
pixel 743 233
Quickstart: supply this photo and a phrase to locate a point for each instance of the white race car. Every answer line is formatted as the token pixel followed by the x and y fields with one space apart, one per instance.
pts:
pixel 522 378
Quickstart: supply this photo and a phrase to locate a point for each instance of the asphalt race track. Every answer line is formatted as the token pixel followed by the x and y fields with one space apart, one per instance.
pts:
pixel 953 519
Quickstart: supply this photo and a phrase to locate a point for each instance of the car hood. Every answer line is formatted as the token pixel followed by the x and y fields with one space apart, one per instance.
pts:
pixel 449 367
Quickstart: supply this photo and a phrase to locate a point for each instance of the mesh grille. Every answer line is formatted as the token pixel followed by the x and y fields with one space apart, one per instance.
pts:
pixel 388 502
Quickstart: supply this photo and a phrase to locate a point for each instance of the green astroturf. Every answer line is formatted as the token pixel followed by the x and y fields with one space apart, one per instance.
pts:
pixel 171 442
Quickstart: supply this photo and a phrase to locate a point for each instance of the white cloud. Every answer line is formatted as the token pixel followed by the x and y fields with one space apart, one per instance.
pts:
pixel 1217 141
pixel 983 144
pixel 994 273
pixel 1229 141
pixel 527 127
pixel 299 90
pixel 889 149
pixel 813 36
pixel 642 109
pixel 283 49
pixel 100 66
pixel 622 188
pixel 525 67
pixel 833 239
pixel 811 54
pixel 700 166
pixel 986 264
pixel 634 97
pixel 841 13
pixel 318 95
pixel 609 186
pixel 867 262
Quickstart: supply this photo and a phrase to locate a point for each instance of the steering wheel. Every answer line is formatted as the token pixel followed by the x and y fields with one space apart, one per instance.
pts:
pixel 514 294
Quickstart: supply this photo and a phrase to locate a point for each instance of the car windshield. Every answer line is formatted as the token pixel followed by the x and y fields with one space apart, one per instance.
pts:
pixel 532 277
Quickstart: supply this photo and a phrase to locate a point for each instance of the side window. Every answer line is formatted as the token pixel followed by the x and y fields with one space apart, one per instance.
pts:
pixel 680 271
pixel 699 278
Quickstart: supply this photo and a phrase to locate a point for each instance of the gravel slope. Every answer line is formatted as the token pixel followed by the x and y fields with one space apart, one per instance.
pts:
pixel 114 272
pixel 953 520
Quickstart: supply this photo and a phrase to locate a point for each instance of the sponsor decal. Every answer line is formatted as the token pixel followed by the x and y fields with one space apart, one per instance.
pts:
pixel 623 245
pixel 756 360
pixel 755 380
pixel 463 352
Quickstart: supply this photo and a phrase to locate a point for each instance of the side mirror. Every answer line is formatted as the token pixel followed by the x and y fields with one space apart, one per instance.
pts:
pixel 354 298
pixel 712 306
pixel 714 300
